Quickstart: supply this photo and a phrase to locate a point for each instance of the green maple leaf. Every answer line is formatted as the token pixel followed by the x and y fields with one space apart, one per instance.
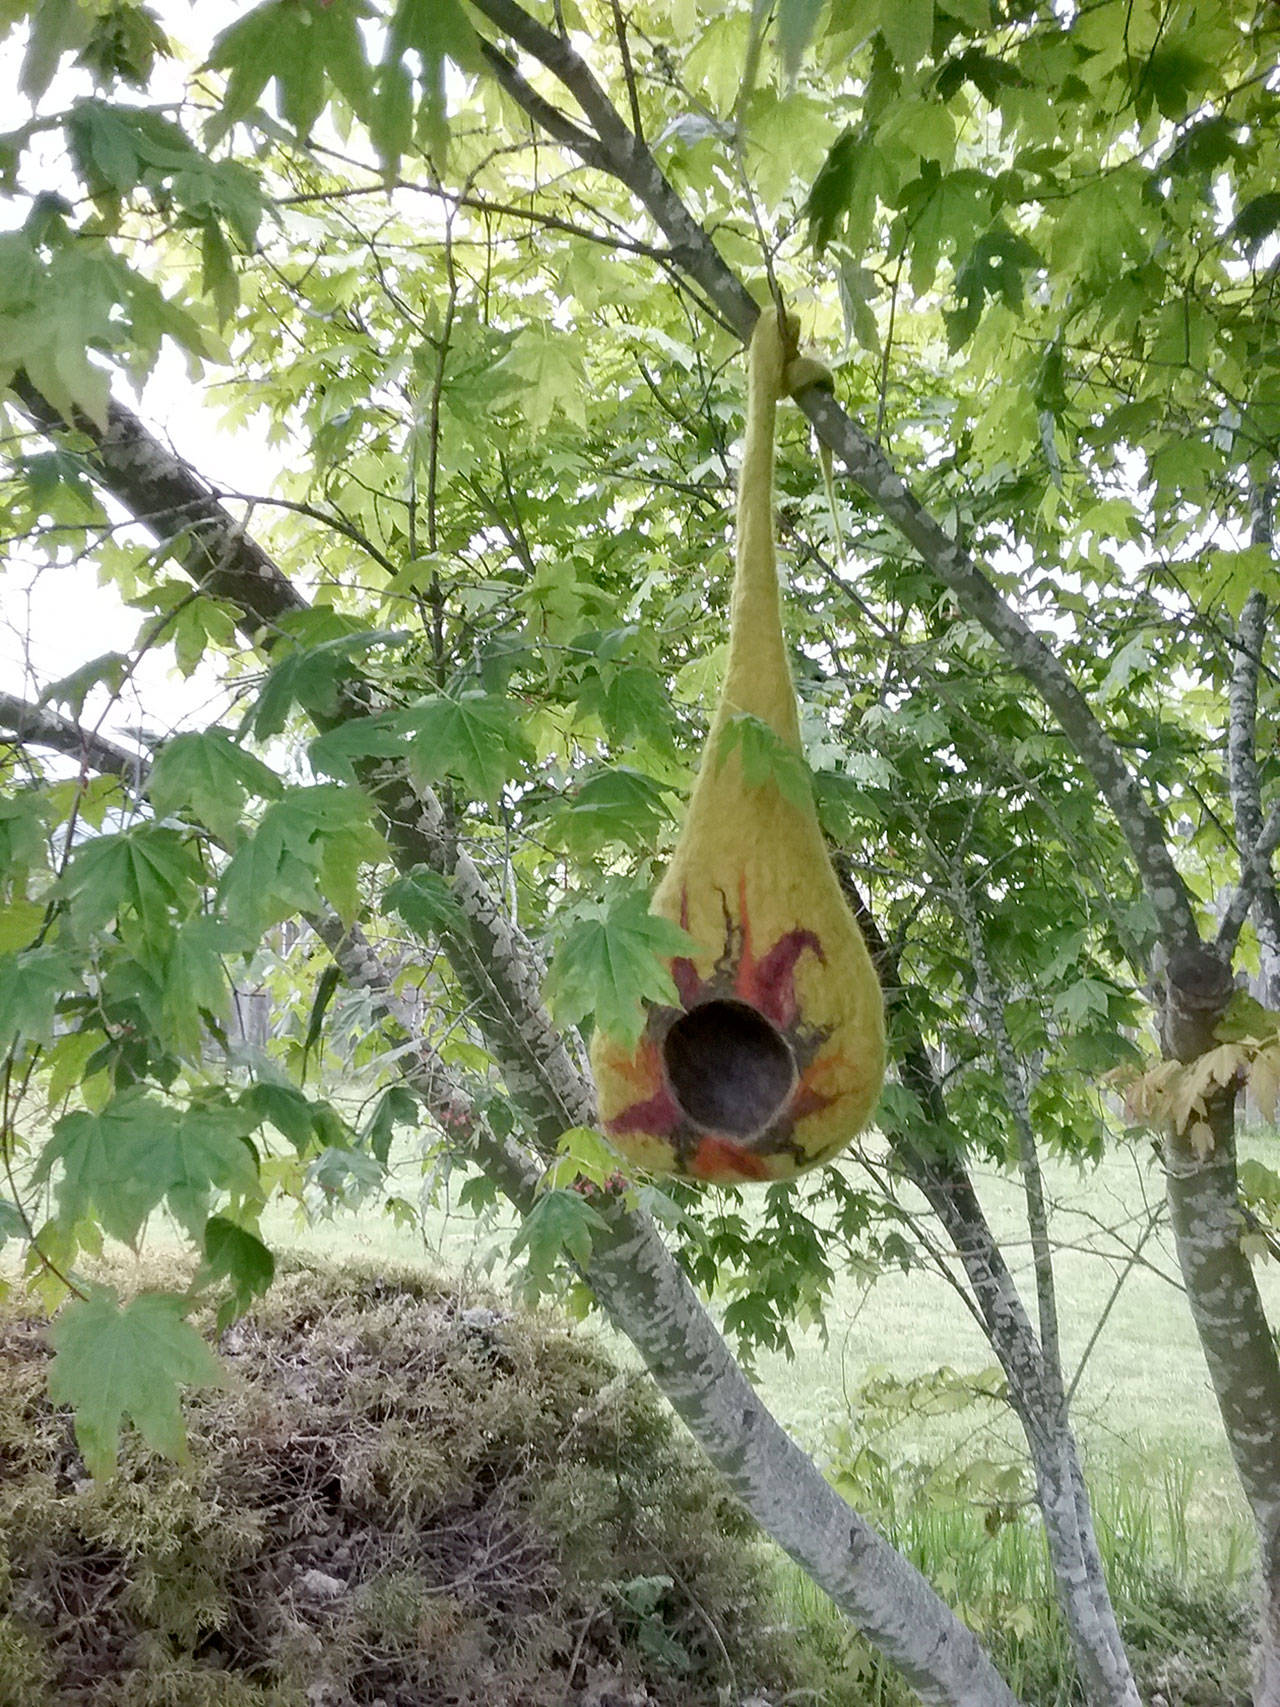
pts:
pixel 208 1153
pixel 112 1362
pixel 147 871
pixel 311 676
pixel 1256 221
pixel 611 961
pixel 108 671
pixel 358 738
pixel 797 20
pixel 303 848
pixel 397 1106
pixel 30 985
pixel 289 1111
pixel 233 1253
pixel 561 1221
pixel 194 983
pixel 473 738
pixel 12 1223
pixel 435 30
pixel 54 311
pixel 620 805
pixel 425 901
pixel 122 1161
pixel 942 211
pixel 630 700
pixel 845 190
pixel 303 50
pixel 116 148
pixel 269 879
pixel 347 841
pixel 907 27
pixel 766 759
pixel 543 371
pixel 22 831
pixel 212 775
pixel 992 268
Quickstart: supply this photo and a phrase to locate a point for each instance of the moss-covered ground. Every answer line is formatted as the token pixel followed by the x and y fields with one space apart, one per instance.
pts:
pixel 406 1496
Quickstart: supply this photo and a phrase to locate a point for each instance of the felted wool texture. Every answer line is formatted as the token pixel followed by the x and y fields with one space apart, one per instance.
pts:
pixel 751 882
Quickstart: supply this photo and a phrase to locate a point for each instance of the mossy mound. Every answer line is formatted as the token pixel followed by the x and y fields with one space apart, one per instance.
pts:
pixel 403 1499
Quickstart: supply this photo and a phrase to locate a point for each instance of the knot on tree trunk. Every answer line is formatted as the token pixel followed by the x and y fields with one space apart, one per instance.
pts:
pixel 1196 987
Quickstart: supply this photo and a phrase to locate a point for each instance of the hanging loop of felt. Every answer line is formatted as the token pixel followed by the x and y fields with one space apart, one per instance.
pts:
pixel 758 675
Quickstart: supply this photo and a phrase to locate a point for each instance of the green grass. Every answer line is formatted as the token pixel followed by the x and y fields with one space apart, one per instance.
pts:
pixel 1144 1400
pixel 1143 1410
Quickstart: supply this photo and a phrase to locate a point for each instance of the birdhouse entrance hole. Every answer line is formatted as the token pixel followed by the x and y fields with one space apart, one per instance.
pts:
pixel 730 1070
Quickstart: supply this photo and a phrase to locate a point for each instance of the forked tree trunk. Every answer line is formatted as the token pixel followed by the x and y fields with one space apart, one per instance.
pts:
pixel 1061 1495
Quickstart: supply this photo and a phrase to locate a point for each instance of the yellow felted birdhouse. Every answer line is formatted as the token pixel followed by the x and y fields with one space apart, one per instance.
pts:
pixel 774 1057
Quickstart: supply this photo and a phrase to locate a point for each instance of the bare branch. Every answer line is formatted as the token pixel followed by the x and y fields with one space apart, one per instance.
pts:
pixel 178 507
pixel 45 728
pixel 1257 889
pixel 992 1001
pixel 628 70
pixel 1256 873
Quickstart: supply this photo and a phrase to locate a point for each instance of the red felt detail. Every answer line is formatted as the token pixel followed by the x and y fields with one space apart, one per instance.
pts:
pixel 775 977
pixel 721 1160
pixel 659 1114
pixel 684 974
pixel 769 984
pixel 807 1101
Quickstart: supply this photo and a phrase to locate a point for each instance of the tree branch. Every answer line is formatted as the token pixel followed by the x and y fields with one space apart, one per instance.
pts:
pixel 178 507
pixel 991 1002
pixel 618 151
pixel 91 751
pixel 1254 877
pixel 1257 886
pixel 541 111
pixel 934 1166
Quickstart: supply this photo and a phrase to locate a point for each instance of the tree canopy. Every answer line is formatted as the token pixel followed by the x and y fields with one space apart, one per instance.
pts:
pixel 477 276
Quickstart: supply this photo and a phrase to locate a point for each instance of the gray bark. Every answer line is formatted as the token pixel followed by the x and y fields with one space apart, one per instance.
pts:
pixel 1245 791
pixel 1242 763
pixel 1062 1493
pixel 934 1165
pixel 1235 1336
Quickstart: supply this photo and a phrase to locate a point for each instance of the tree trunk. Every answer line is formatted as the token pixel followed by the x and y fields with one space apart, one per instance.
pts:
pixel 1239 1350
pixel 1036 1389
pixel 1041 1409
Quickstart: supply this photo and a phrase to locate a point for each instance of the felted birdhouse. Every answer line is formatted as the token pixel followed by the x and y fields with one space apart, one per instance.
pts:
pixel 773 1059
